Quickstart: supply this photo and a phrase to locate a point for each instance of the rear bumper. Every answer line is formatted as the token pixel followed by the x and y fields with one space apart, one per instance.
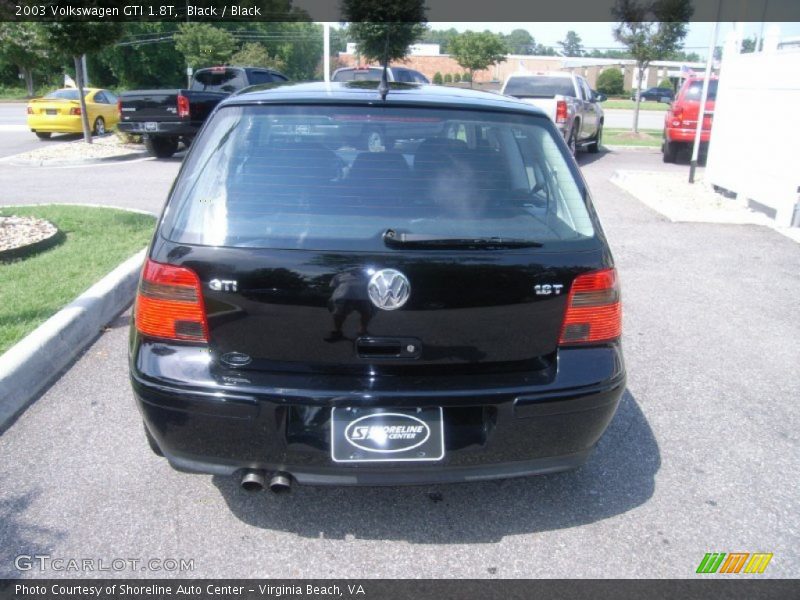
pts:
pixel 56 124
pixel 160 128
pixel 496 426
pixel 681 136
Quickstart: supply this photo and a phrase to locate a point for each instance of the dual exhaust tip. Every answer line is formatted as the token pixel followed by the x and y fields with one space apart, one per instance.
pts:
pixel 255 480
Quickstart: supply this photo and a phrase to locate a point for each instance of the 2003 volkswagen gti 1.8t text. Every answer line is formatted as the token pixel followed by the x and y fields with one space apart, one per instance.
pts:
pixel 440 307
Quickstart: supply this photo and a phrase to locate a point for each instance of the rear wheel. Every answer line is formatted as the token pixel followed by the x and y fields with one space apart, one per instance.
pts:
pixel 594 147
pixel 99 126
pixel 572 140
pixel 670 151
pixel 43 135
pixel 161 147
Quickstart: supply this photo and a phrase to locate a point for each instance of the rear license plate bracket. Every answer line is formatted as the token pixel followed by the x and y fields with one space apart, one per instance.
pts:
pixel 369 435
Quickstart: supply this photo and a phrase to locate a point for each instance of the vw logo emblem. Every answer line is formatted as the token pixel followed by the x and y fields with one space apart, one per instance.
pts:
pixel 389 289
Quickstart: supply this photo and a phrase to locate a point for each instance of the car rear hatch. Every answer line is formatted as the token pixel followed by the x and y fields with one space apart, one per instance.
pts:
pixel 53 107
pixel 688 106
pixel 458 250
pixel 149 105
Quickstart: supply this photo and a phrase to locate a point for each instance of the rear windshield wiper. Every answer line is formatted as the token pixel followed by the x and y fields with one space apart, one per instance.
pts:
pixel 421 240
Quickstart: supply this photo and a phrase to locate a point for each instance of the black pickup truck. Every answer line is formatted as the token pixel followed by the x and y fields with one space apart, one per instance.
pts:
pixel 167 117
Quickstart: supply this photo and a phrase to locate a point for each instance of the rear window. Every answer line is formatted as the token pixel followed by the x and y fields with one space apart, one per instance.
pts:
pixel 695 90
pixel 69 94
pixel 540 87
pixel 372 74
pixel 297 177
pixel 222 80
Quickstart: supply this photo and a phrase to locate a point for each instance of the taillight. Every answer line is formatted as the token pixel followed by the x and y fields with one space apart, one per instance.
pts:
pixel 677 116
pixel 30 110
pixel 169 304
pixel 594 310
pixel 119 107
pixel 75 111
pixel 183 107
pixel 561 111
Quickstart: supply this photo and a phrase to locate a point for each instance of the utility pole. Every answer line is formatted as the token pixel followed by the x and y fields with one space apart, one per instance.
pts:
pixel 701 113
pixel 326 52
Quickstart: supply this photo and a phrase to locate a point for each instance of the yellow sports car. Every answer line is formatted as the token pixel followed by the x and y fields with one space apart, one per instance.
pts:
pixel 60 112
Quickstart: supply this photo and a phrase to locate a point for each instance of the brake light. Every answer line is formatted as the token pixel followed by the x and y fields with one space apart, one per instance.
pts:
pixel 677 116
pixel 183 106
pixel 594 310
pixel 119 107
pixel 561 111
pixel 30 110
pixel 75 110
pixel 170 303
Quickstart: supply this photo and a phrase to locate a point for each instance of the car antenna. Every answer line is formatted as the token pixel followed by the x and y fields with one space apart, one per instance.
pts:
pixel 383 86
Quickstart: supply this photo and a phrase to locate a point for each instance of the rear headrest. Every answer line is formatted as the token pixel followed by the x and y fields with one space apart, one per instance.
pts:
pixel 379 167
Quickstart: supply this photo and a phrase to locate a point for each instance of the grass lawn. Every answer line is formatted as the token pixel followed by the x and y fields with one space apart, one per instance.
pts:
pixel 33 289
pixel 624 137
pixel 616 103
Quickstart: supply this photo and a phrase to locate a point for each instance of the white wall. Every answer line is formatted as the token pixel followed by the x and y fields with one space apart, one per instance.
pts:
pixel 754 149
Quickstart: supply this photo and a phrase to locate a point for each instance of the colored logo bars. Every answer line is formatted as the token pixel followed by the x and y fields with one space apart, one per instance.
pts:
pixel 735 562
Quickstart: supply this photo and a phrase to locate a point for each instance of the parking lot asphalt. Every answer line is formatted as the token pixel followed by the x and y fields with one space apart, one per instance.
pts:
pixel 702 455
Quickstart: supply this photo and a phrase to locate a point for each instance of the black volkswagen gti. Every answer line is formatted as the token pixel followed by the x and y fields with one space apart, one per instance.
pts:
pixel 442 309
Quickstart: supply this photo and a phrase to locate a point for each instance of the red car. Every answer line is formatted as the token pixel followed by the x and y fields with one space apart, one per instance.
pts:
pixel 680 123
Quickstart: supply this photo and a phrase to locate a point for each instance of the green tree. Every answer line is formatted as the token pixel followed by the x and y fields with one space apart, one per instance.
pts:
pixel 520 41
pixel 144 58
pixel 203 44
pixel 748 45
pixel 478 51
pixel 437 78
pixel 610 82
pixel 571 45
pixel 443 37
pixel 651 30
pixel 384 30
pixel 448 78
pixel 24 46
pixel 666 83
pixel 256 55
pixel 77 38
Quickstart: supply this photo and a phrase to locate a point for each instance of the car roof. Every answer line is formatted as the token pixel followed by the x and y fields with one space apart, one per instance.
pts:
pixel 564 74
pixel 365 92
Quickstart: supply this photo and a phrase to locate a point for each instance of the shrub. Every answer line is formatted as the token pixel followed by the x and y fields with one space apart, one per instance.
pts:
pixel 457 78
pixel 610 82
pixel 448 78
pixel 437 78
pixel 466 77
pixel 666 83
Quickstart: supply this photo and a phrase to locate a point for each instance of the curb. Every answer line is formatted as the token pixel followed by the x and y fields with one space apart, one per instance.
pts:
pixel 68 163
pixel 37 360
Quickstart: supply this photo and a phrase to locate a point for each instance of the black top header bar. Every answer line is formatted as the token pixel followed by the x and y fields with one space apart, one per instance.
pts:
pixel 476 11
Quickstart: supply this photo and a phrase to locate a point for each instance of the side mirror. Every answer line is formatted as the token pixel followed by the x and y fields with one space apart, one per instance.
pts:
pixel 598 97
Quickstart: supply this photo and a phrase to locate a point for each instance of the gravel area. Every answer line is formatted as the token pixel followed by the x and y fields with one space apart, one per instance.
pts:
pixel 673 196
pixel 16 232
pixel 109 146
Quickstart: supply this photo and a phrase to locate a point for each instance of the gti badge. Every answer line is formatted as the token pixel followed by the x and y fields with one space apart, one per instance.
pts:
pixel 546 289
pixel 389 289
pixel 223 285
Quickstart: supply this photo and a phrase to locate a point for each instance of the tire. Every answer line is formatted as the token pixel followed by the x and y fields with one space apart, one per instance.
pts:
pixel 151 441
pixel 670 152
pixel 594 147
pixel 572 141
pixel 161 147
pixel 43 135
pixel 99 127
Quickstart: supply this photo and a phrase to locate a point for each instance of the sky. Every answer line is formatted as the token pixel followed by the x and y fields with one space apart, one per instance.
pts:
pixel 598 35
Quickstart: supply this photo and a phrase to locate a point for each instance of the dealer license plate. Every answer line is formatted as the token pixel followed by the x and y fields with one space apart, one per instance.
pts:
pixel 364 435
